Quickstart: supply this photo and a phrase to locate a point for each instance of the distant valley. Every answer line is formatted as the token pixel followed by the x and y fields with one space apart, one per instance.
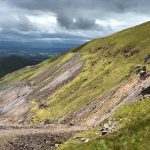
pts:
pixel 12 63
pixel 13 60
pixel 17 55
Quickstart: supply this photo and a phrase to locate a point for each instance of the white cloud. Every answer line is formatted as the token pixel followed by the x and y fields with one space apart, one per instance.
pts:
pixel 44 22
pixel 119 22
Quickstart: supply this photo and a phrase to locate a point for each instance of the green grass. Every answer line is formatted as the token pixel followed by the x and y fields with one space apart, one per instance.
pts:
pixel 133 131
pixel 26 73
pixel 104 76
pixel 111 68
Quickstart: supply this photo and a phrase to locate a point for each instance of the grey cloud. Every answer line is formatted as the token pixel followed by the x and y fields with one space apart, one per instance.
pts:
pixel 77 23
pixel 23 24
pixel 10 34
pixel 85 11
pixel 62 5
pixel 82 23
pixel 78 16
pixel 15 20
pixel 75 6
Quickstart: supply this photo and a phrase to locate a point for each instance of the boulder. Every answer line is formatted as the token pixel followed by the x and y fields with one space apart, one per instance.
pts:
pixel 107 128
pixel 147 59
pixel 47 122
pixel 77 138
pixel 143 73
pixel 104 132
pixel 82 139
pixel 86 141
pixel 43 105
pixel 56 145
pixel 145 91
pixel 135 69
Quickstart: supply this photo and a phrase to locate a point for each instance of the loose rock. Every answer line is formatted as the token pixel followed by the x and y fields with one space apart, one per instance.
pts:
pixel 147 59
pixel 107 128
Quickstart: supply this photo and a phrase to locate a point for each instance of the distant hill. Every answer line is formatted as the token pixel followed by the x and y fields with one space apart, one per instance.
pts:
pixel 12 63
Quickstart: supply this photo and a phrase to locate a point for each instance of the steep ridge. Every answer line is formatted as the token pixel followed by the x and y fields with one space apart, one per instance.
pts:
pixel 81 88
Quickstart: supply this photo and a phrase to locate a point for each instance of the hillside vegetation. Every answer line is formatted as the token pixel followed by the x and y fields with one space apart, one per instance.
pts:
pixel 86 86
pixel 133 131
pixel 108 62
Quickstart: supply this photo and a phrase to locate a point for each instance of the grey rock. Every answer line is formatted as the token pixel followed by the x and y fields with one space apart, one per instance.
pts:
pixel 143 73
pixel 56 145
pixel 147 59
pixel 108 128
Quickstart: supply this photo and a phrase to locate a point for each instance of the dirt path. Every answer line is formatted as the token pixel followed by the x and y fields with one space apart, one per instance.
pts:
pixel 37 138
pixel 53 129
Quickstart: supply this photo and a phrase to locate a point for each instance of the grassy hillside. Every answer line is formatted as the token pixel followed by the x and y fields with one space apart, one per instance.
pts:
pixel 133 131
pixel 108 62
pixel 104 69
pixel 83 86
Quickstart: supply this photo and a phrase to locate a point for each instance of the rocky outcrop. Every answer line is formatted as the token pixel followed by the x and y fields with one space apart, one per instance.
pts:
pixel 108 128
pixel 147 59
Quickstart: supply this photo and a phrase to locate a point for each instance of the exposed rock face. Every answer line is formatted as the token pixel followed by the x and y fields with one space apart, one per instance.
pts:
pixel 128 51
pixel 126 94
pixel 68 74
pixel 13 102
pixel 20 99
pixel 143 73
pixel 145 91
pixel 59 96
pixel 136 94
pixel 49 81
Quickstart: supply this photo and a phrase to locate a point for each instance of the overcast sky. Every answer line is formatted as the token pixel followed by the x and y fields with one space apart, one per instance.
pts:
pixel 68 20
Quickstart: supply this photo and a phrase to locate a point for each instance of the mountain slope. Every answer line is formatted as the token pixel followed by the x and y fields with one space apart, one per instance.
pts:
pixel 85 74
pixel 83 87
